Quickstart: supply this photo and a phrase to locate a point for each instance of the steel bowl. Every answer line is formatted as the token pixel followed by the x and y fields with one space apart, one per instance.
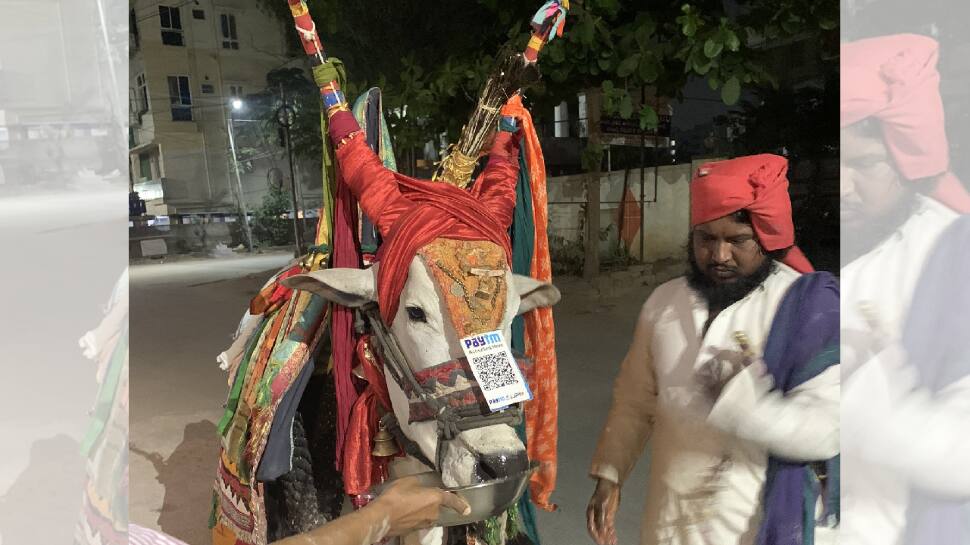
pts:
pixel 487 499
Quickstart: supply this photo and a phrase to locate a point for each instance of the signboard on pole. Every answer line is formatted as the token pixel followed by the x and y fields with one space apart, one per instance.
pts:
pixel 627 132
pixel 617 131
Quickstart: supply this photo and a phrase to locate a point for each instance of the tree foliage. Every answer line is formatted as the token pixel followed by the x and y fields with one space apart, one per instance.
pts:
pixel 430 57
pixel 271 226
pixel 302 97
pixel 805 121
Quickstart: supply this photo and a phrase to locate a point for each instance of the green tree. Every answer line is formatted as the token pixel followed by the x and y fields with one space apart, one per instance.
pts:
pixel 616 46
pixel 303 97
pixel 430 57
pixel 271 226
pixel 803 121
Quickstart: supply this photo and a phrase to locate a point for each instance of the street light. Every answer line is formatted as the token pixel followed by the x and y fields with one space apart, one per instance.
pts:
pixel 237 104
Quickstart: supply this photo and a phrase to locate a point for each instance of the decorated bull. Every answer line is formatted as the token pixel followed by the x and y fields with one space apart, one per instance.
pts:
pixel 443 275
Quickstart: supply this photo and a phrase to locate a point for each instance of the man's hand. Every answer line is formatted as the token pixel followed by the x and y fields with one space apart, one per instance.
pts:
pixel 601 513
pixel 407 506
pixel 715 374
pixel 404 507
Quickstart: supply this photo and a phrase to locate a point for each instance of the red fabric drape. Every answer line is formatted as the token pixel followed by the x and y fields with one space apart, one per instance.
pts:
pixel 361 470
pixel 346 253
pixel 410 213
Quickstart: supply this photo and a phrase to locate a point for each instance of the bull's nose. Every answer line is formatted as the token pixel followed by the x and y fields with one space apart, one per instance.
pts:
pixel 497 466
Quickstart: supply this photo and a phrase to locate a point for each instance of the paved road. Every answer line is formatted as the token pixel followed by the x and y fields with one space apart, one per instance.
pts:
pixel 62 254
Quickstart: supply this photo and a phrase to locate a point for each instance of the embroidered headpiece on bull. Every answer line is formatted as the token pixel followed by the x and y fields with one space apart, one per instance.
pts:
pixel 443 271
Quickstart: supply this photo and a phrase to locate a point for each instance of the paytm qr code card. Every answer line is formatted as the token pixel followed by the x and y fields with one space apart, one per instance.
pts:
pixel 495 369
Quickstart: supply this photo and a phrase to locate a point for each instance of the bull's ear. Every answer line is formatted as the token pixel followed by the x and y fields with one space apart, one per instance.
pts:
pixel 534 294
pixel 347 287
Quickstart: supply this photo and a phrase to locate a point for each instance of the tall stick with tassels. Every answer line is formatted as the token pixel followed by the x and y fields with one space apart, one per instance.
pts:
pixel 336 232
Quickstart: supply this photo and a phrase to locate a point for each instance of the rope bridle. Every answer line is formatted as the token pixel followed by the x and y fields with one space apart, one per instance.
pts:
pixel 451 421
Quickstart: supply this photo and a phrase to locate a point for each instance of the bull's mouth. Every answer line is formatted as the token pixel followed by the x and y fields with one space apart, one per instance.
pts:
pixel 501 466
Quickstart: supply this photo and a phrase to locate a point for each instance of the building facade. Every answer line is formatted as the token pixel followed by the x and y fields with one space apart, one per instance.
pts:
pixel 190 61
pixel 57 95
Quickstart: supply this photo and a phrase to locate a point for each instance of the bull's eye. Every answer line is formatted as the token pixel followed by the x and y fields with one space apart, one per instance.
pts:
pixel 416 314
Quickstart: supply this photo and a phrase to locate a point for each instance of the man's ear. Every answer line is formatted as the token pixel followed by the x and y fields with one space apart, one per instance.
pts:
pixel 347 287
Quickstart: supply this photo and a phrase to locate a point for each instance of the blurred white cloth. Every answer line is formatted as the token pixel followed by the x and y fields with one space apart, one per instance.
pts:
pixel 139 535
pixel 894 435
pixel 230 358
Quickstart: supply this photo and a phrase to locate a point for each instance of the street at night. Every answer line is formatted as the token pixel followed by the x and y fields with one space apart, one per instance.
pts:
pixel 183 315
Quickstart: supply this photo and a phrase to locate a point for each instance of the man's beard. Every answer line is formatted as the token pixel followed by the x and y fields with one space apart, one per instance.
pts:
pixel 721 296
pixel 864 238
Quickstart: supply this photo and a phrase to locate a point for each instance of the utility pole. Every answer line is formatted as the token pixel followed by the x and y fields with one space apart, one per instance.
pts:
pixel 643 176
pixel 239 189
pixel 285 117
pixel 591 263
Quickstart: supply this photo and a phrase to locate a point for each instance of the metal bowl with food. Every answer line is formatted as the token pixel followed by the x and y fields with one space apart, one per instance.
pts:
pixel 485 499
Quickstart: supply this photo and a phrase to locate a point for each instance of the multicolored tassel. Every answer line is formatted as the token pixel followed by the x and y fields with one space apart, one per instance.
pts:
pixel 554 9
pixel 548 22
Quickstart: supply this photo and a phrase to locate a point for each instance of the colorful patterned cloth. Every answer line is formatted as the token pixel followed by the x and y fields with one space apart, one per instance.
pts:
pixel 290 327
pixel 104 509
pixel 542 413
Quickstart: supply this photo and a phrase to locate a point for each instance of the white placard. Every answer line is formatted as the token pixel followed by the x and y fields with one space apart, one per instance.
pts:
pixel 154 246
pixel 496 370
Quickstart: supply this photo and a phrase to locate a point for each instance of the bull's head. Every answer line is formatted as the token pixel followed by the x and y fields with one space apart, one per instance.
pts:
pixel 454 289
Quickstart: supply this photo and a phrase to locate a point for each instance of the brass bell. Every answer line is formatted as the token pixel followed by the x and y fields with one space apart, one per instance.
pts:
pixel 384 443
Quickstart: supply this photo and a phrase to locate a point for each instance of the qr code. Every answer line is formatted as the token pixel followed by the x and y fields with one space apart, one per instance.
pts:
pixel 495 371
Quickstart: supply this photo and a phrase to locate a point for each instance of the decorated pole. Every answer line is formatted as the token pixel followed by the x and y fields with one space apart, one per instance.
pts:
pixel 333 98
pixel 307 30
pixel 550 18
pixel 336 239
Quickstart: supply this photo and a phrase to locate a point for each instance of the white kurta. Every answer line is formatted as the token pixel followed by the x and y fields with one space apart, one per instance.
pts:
pixel 894 435
pixel 708 458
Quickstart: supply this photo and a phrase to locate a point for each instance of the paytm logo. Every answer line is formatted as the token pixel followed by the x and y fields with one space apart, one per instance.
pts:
pixel 483 340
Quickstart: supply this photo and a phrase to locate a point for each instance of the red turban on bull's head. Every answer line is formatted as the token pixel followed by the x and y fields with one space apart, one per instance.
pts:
pixel 756 183
pixel 410 213
pixel 894 79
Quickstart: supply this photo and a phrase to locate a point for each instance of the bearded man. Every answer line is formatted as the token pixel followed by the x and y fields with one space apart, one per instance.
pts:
pixel 733 377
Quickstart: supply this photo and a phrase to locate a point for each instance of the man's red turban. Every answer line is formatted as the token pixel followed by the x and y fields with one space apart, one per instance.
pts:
pixel 756 183
pixel 894 79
